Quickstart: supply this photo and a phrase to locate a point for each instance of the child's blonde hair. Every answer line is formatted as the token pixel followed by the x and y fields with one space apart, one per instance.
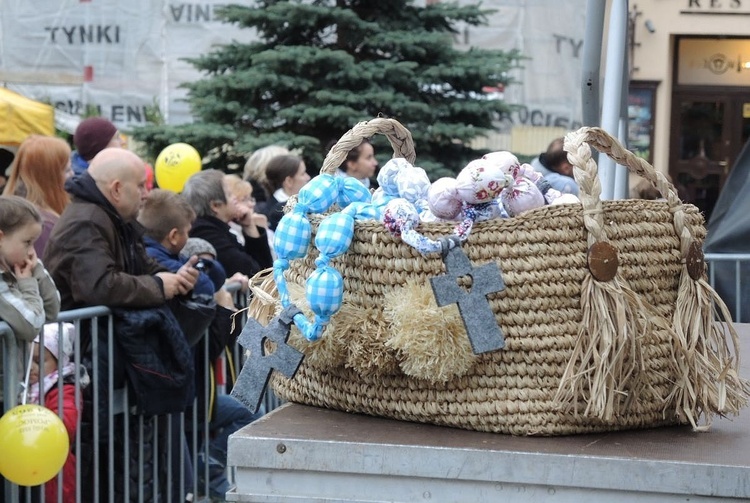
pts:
pixel 237 187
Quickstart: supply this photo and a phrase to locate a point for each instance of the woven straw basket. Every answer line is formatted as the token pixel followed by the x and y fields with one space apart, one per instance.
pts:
pixel 637 348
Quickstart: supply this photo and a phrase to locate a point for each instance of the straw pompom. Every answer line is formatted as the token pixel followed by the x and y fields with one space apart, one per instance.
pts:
pixel 263 303
pixel 366 332
pixel 431 341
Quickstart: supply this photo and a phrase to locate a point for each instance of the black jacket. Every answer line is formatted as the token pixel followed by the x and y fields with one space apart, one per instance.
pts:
pixel 157 359
pixel 249 259
pixel 274 210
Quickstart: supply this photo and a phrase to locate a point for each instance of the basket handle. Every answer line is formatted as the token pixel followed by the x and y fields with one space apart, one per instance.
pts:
pixel 577 145
pixel 399 137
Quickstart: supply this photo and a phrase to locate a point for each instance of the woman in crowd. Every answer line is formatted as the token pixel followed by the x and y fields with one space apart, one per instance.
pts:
pixel 285 175
pixel 255 170
pixel 38 173
pixel 214 207
pixel 360 163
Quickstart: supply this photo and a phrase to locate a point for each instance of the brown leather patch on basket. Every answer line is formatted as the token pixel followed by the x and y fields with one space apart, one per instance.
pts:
pixel 603 261
pixel 694 261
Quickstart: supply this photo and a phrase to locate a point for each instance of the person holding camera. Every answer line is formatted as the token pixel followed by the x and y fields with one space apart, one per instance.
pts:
pixel 167 218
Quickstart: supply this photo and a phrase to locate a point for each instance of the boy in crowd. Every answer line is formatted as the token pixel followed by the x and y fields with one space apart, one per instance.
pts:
pixel 167 218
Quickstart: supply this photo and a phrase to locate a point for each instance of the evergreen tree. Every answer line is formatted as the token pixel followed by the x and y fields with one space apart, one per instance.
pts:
pixel 321 66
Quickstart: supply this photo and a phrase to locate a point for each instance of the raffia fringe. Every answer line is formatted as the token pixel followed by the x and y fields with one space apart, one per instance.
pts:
pixel 604 370
pixel 263 305
pixel 708 368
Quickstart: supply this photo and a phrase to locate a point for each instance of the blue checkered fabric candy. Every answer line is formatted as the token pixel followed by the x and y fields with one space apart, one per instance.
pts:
pixel 325 293
pixel 292 236
pixel 334 235
pixel 317 195
pixel 351 191
pixel 325 287
pixel 361 211
pixel 290 241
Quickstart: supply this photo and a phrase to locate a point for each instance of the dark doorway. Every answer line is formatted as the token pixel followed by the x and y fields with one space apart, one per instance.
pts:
pixel 709 128
pixel 710 119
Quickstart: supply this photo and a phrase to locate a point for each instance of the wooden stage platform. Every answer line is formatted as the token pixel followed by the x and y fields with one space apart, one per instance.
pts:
pixel 299 453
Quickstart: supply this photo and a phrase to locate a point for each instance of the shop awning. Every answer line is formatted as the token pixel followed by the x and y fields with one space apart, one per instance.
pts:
pixel 21 116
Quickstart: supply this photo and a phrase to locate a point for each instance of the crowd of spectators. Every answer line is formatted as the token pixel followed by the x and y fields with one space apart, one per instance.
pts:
pixel 82 228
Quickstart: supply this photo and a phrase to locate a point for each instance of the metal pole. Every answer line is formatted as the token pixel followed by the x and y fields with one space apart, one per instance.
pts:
pixel 592 56
pixel 622 178
pixel 616 44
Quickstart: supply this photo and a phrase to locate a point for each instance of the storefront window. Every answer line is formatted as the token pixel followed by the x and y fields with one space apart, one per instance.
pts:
pixel 701 129
pixel 641 104
pixel 713 62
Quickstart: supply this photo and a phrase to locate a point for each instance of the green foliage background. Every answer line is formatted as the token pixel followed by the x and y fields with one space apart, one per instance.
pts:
pixel 322 66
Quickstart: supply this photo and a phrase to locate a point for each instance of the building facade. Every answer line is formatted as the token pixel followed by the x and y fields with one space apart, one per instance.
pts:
pixel 689 105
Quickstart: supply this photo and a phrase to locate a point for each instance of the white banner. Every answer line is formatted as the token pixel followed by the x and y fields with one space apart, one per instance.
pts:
pixel 121 57
pixel 118 57
pixel 550 33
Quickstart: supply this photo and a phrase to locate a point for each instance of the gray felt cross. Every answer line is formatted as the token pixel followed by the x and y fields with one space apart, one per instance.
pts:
pixel 256 372
pixel 484 333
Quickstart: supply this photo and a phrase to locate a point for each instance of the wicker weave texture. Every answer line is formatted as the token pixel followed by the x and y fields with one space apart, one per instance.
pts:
pixel 543 258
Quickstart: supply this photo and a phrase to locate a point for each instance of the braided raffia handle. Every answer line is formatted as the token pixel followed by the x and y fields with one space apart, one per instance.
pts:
pixel 397 134
pixel 577 145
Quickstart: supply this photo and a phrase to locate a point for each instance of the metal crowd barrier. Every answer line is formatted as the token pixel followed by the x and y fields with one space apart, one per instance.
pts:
pixel 118 439
pixel 725 275
pixel 142 459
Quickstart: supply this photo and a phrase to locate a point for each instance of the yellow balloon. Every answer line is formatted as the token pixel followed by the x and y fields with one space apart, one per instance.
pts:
pixel 175 164
pixel 34 445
